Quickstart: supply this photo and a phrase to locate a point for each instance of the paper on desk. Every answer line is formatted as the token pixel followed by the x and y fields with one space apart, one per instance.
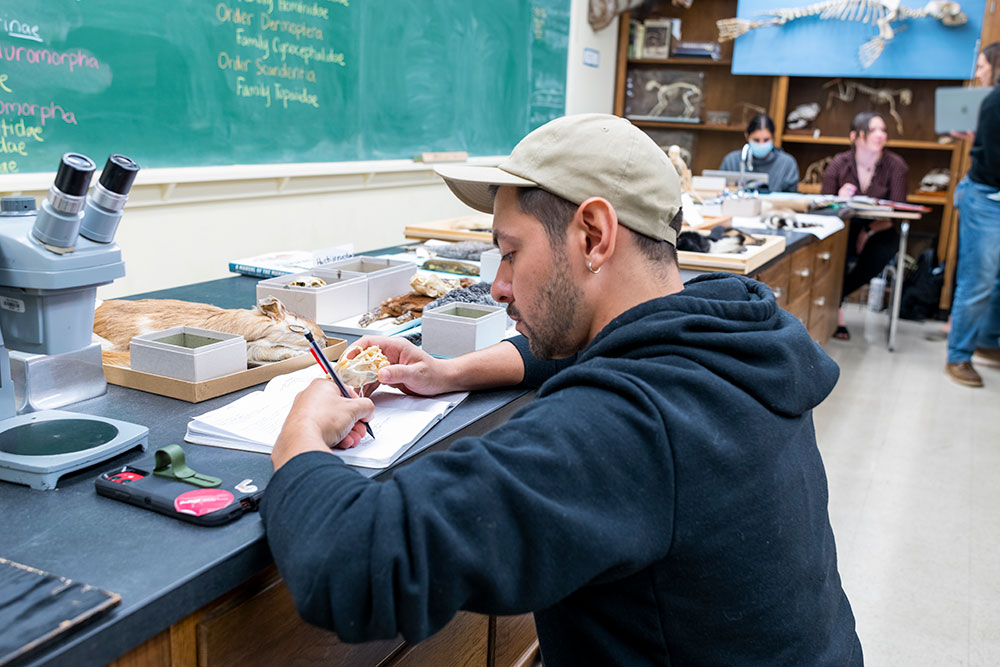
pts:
pixel 825 225
pixel 253 422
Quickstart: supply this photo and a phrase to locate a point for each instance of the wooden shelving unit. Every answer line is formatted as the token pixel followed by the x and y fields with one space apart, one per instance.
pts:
pixel 654 124
pixel 694 62
pixel 844 141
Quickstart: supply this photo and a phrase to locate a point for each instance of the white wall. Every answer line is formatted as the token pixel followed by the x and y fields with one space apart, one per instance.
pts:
pixel 184 226
pixel 590 89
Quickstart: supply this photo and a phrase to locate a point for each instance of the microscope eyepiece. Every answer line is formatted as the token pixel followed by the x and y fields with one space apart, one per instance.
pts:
pixel 119 173
pixel 74 174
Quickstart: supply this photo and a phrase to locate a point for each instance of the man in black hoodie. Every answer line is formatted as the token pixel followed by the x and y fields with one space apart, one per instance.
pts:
pixel 661 501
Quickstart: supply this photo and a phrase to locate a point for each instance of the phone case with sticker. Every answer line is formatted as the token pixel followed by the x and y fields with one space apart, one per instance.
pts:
pixel 203 506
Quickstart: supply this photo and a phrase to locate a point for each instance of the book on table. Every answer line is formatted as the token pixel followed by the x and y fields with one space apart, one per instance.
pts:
pixel 253 422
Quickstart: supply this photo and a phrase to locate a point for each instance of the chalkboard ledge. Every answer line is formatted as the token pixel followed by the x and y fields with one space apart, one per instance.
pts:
pixel 155 187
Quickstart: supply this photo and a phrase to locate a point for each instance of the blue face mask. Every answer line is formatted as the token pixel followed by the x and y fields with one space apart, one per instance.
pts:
pixel 760 150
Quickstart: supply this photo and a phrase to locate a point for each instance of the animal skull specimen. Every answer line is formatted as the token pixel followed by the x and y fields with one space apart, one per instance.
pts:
pixel 688 93
pixel 935 180
pixel 880 13
pixel 846 90
pixel 802 115
pixel 362 370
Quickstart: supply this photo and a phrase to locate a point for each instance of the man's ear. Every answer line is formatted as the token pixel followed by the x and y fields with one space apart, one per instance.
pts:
pixel 597 224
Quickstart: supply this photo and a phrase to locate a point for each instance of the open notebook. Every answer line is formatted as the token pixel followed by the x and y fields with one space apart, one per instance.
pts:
pixel 253 422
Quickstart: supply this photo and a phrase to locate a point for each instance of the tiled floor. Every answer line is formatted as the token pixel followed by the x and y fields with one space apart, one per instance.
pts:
pixel 913 462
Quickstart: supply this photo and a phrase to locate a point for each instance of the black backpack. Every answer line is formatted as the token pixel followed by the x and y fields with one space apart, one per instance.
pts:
pixel 922 288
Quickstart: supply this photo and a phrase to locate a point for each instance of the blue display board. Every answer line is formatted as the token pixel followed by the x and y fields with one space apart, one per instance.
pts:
pixel 921 49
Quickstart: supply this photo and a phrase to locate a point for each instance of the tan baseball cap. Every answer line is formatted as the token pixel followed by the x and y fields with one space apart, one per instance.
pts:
pixel 582 156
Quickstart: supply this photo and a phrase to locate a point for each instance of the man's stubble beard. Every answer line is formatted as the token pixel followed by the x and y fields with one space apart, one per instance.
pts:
pixel 559 301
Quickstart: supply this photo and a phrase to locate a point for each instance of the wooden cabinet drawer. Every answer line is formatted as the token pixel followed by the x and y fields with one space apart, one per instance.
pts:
pixel 776 277
pixel 515 636
pixel 825 258
pixel 823 303
pixel 261 627
pixel 800 273
pixel 462 643
pixel 799 307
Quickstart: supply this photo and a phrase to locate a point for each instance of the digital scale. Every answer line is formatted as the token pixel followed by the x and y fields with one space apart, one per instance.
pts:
pixel 51 263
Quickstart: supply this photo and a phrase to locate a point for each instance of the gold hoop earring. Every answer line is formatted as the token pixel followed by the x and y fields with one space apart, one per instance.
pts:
pixel 590 265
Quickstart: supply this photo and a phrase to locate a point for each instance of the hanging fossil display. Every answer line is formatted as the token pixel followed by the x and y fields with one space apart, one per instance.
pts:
pixel 846 91
pixel 880 13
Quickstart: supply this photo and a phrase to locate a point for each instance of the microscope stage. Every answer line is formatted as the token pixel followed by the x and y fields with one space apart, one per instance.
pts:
pixel 39 447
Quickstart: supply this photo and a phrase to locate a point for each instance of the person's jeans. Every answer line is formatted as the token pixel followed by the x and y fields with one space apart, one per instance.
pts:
pixel 975 312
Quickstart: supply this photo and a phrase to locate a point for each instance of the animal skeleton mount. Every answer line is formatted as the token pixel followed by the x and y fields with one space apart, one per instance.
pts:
pixel 846 91
pixel 687 93
pixel 880 13
pixel 815 170
pixel 602 12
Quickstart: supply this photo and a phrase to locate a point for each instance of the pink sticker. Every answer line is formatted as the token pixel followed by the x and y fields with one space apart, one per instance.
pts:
pixel 202 501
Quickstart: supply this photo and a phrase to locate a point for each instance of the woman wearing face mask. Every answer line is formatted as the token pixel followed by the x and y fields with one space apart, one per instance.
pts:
pixel 975 312
pixel 781 169
pixel 866 169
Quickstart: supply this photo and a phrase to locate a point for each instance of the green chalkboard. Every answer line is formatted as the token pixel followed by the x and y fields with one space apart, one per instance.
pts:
pixel 178 83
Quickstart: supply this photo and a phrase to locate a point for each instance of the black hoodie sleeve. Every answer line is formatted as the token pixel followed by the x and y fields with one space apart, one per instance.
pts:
pixel 486 526
pixel 536 371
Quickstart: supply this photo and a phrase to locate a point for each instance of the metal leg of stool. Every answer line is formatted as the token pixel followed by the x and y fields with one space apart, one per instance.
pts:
pixel 897 286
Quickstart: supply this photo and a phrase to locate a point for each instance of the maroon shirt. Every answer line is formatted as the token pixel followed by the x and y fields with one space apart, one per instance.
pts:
pixel 888 181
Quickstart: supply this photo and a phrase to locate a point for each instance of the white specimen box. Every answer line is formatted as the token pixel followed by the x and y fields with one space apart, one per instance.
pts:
pixel 189 353
pixel 386 277
pixel 489 264
pixel 459 328
pixel 344 295
pixel 743 207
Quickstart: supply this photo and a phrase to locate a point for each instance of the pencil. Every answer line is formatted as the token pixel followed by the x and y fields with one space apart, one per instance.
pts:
pixel 324 363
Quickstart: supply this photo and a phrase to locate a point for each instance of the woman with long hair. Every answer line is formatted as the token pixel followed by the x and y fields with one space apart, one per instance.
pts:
pixel 871 170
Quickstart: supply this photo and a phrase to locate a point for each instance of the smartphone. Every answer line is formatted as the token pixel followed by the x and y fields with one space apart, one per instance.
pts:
pixel 203 506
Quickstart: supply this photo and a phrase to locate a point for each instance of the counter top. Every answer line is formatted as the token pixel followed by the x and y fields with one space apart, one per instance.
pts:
pixel 163 568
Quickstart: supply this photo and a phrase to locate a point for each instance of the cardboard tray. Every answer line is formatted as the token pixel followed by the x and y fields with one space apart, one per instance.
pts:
pixel 454 229
pixel 744 263
pixel 195 392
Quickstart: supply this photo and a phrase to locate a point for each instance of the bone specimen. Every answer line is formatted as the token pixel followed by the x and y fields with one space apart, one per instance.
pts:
pixel 748 111
pixel 815 170
pixel 845 91
pixel 688 93
pixel 307 281
pixel 802 115
pixel 935 180
pixel 603 12
pixel 880 13
pixel 675 153
pixel 362 369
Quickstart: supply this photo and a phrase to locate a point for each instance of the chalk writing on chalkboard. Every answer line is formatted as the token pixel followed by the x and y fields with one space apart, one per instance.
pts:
pixel 192 83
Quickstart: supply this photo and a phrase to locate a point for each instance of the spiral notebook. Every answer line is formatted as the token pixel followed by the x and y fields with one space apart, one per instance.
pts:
pixel 253 422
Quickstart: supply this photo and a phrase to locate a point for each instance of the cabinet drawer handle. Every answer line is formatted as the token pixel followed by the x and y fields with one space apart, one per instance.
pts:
pixel 778 292
pixel 825 256
pixel 803 272
pixel 820 302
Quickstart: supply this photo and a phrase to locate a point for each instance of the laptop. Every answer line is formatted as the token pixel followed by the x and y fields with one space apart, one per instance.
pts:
pixel 751 178
pixel 957 109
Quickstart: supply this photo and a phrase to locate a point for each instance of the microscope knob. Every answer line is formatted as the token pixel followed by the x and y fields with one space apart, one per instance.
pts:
pixel 10 206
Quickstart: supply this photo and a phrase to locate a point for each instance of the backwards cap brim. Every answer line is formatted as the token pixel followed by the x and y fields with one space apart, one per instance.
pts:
pixel 471 183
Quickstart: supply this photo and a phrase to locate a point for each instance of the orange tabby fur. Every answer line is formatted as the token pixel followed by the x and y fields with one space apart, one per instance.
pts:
pixel 265 326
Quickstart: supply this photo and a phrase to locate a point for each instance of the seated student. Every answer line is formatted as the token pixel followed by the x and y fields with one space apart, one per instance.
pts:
pixel 866 169
pixel 781 168
pixel 641 522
